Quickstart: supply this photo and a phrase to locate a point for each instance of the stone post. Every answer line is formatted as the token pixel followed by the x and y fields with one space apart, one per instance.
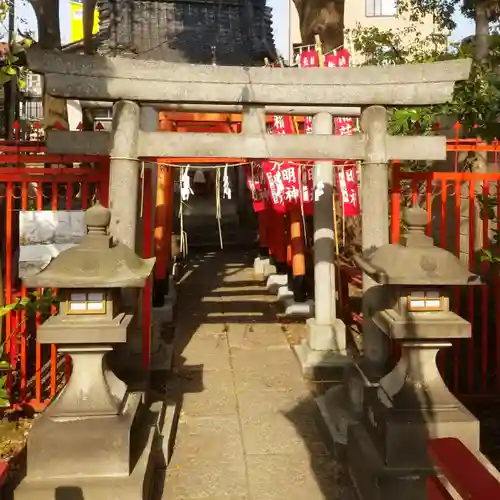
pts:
pixel 123 202
pixel 124 172
pixel 161 352
pixel 254 122
pixel 325 348
pixel 375 223
pixel 324 239
pixel 343 406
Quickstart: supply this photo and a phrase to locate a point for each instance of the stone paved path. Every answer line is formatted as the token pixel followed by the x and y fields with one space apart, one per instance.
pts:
pixel 247 429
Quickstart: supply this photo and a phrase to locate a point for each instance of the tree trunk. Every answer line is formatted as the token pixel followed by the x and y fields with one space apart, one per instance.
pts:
pixel 55 110
pixel 481 42
pixel 480 160
pixel 324 18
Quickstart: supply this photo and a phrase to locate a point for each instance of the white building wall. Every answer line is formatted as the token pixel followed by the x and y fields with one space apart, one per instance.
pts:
pixel 367 13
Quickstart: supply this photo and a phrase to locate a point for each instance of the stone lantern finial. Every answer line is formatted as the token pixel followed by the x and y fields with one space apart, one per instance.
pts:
pixel 97 219
pixel 416 220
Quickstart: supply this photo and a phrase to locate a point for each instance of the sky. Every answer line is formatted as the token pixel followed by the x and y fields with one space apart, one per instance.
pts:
pixel 280 8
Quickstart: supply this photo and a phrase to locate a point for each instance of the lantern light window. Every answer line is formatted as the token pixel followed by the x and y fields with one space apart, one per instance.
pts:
pixel 87 303
pixel 425 301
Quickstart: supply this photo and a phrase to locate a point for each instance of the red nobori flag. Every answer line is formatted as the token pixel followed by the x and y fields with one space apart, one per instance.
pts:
pixel 256 182
pixel 308 59
pixel 283 124
pixel 283 177
pixel 274 181
pixel 347 181
pixel 285 181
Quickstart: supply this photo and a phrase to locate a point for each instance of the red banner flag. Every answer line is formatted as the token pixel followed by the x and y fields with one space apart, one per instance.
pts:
pixel 346 175
pixel 274 181
pixel 257 185
pixel 347 181
pixel 308 59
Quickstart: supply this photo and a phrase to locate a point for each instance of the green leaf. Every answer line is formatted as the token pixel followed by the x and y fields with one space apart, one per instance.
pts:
pixel 4 78
pixel 7 308
pixel 486 255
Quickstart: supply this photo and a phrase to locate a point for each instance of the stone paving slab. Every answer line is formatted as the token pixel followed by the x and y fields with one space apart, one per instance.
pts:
pixel 208 395
pixel 247 428
pixel 207 352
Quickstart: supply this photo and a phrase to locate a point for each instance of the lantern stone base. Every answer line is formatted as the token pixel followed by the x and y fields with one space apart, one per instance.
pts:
pixel 336 409
pixel 275 282
pixel 101 443
pixel 70 463
pixel 373 479
pixel 319 356
pixel 342 405
pixel 136 486
pixel 392 446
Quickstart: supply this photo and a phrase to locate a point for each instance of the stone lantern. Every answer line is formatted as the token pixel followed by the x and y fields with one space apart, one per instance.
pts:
pixel 387 450
pixel 87 436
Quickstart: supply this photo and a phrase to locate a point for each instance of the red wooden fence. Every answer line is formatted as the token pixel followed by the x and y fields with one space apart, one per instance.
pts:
pixel 472 367
pixel 460 469
pixel 32 180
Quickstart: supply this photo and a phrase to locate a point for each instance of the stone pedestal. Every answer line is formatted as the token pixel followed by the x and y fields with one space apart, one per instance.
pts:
pixel 98 458
pixel 342 405
pixel 102 446
pixel 323 354
pixel 275 282
pixel 262 267
pixel 387 450
pixel 284 293
pixel 294 309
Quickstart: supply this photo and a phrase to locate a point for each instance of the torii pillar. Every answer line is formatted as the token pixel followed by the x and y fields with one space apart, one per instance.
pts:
pixel 323 353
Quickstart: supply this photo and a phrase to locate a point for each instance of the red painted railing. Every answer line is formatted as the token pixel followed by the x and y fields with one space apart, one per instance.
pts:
pixel 471 367
pixel 32 180
pixel 460 472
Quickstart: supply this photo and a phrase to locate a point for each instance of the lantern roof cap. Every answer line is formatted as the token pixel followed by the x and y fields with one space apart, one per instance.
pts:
pixel 96 262
pixel 416 260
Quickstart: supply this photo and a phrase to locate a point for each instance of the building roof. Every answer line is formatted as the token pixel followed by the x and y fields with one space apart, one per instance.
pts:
pixel 225 32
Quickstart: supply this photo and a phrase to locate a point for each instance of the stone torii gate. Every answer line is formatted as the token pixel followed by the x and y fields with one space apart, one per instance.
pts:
pixel 140 87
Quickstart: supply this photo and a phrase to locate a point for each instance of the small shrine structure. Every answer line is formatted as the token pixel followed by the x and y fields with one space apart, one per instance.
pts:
pixel 138 86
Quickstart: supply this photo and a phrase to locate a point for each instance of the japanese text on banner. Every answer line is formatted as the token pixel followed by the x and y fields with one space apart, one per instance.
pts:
pixel 257 185
pixel 274 181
